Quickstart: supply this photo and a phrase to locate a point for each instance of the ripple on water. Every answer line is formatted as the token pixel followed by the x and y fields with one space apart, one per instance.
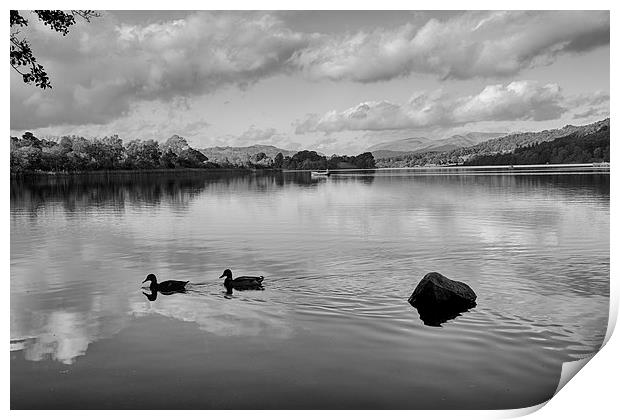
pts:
pixel 340 258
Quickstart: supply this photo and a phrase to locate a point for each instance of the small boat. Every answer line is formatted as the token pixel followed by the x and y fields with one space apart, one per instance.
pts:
pixel 168 286
pixel 241 283
pixel 320 173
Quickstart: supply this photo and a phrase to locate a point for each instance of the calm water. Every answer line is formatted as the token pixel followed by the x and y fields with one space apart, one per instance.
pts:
pixel 340 256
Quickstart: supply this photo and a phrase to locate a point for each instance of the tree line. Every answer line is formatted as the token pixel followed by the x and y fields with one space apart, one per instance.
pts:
pixel 573 148
pixel 307 159
pixel 502 145
pixel 75 153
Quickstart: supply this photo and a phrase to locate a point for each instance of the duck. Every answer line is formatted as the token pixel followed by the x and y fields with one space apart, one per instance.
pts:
pixel 168 286
pixel 240 283
pixel 151 296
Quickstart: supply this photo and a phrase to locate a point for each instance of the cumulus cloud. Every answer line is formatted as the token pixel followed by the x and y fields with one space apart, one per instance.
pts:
pixel 520 100
pixel 323 144
pixel 254 135
pixel 156 120
pixel 477 44
pixel 591 113
pixel 100 69
pixel 251 136
pixel 588 107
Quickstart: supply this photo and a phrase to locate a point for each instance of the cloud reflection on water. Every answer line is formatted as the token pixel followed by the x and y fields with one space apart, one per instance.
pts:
pixel 80 250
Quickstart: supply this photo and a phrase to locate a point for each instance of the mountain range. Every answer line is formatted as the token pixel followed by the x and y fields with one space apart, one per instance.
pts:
pixel 504 144
pixel 423 144
pixel 219 154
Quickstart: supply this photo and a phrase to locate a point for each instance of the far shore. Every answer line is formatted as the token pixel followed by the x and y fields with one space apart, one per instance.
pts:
pixel 541 165
pixel 602 165
pixel 429 167
pixel 144 171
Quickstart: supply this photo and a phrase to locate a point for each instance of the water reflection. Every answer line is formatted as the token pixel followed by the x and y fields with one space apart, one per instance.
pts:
pixel 434 317
pixel 115 190
pixel 151 294
pixel 244 316
pixel 63 335
pixel 340 255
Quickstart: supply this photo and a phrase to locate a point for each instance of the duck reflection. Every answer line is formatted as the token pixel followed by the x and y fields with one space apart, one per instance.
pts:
pixel 152 296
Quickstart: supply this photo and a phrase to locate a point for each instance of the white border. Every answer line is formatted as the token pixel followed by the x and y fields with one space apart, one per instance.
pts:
pixel 592 394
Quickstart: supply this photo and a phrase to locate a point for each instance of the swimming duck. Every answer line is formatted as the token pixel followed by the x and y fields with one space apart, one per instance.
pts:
pixel 240 283
pixel 168 286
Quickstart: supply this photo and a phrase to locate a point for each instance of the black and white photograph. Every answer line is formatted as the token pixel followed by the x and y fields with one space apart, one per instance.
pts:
pixel 306 209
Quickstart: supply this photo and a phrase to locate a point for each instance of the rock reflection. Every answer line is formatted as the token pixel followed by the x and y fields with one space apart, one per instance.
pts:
pixel 435 317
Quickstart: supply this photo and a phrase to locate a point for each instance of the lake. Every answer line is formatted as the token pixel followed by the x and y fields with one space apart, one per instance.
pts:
pixel 332 328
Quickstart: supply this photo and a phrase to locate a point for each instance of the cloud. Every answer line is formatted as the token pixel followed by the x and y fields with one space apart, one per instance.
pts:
pixel 156 120
pixel 520 100
pixel 590 113
pixel 254 135
pixel 251 136
pixel 100 70
pixel 470 45
pixel 323 144
pixel 523 100
pixel 591 106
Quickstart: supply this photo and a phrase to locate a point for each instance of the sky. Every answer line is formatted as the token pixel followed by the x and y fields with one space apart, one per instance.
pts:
pixel 331 81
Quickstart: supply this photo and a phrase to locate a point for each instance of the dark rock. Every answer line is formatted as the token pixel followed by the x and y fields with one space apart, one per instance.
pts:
pixel 439 299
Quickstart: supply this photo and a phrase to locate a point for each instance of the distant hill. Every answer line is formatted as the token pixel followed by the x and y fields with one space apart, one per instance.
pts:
pixel 383 154
pixel 423 144
pixel 503 144
pixel 402 145
pixel 235 154
pixel 512 141
pixel 580 146
pixel 460 140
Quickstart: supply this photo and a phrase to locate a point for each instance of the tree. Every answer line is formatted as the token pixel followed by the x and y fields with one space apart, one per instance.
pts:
pixel 23 60
pixel 191 158
pixel 259 156
pixel 168 159
pixel 176 144
pixel 278 160
pixel 364 161
pixel 106 153
pixel 143 154
pixel 28 139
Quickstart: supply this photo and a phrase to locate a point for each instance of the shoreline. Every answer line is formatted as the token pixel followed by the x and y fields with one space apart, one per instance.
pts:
pixel 605 165
pixel 141 171
pixel 601 165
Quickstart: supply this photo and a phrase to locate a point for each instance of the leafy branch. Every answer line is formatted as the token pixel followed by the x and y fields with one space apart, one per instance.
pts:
pixel 23 60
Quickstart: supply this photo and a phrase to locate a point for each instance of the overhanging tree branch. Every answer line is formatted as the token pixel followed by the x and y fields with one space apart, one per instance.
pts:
pixel 21 57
